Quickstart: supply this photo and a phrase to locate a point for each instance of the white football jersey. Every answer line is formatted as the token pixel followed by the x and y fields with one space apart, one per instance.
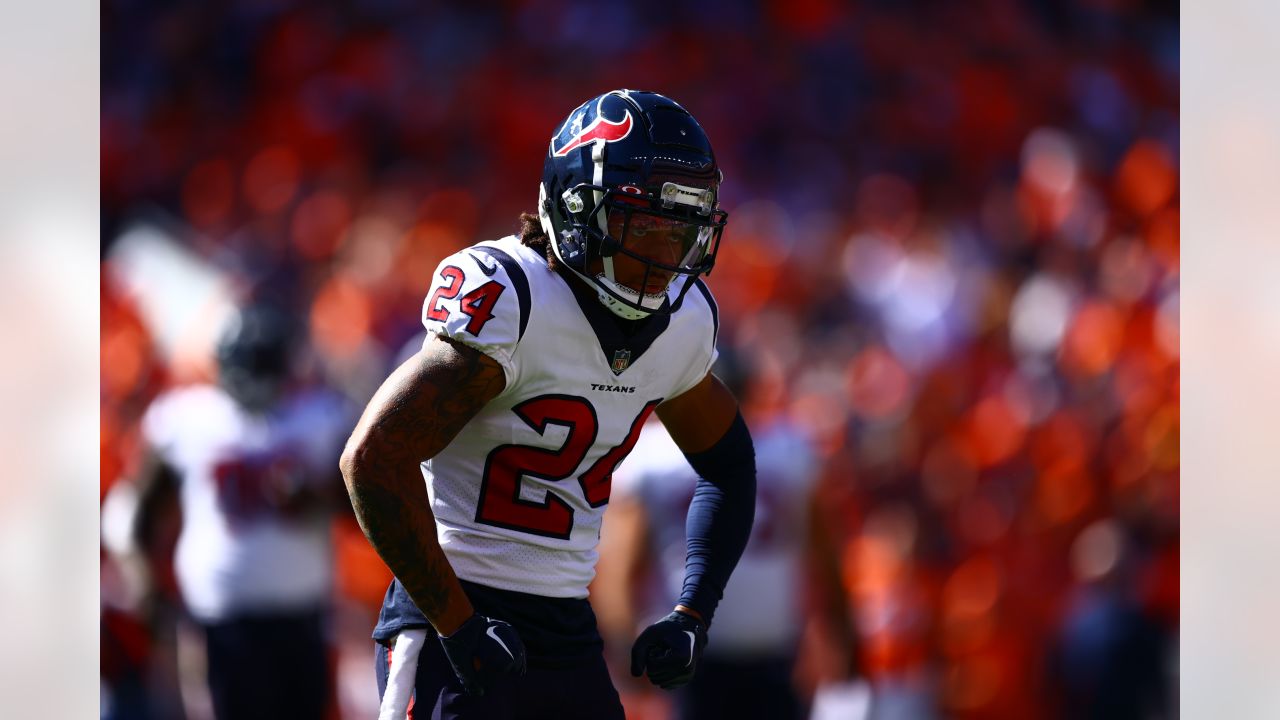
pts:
pixel 519 495
pixel 234 553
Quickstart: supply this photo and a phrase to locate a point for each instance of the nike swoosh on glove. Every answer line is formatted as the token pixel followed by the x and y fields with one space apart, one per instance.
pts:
pixel 669 650
pixel 481 650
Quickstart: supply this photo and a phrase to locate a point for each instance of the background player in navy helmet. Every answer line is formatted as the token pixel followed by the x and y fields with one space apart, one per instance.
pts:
pixel 246 465
pixel 545 353
pixel 254 353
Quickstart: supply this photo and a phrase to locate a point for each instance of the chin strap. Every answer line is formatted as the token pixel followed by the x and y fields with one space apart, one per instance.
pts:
pixel 622 309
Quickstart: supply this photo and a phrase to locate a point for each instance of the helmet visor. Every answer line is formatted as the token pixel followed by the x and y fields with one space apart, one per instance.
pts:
pixel 644 240
pixel 669 243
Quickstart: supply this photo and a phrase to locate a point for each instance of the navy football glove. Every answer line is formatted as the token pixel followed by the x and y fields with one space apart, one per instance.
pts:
pixel 482 649
pixel 669 650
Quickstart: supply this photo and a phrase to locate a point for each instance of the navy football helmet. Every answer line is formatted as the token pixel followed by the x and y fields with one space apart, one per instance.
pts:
pixel 255 354
pixel 630 200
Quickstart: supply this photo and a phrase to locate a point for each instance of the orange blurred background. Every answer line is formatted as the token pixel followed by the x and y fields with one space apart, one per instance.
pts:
pixel 952 258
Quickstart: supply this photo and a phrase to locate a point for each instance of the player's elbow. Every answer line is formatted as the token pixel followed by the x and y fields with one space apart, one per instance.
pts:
pixel 354 459
pixel 371 457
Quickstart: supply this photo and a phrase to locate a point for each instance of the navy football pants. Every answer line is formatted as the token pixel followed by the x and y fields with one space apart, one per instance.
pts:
pixel 567 677
pixel 582 690
pixel 268 666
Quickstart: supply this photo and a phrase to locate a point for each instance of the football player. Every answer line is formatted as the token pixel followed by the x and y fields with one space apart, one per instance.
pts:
pixel 545 353
pixel 749 671
pixel 250 463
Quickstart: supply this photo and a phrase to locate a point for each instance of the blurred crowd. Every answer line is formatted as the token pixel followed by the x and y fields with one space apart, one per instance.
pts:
pixel 952 261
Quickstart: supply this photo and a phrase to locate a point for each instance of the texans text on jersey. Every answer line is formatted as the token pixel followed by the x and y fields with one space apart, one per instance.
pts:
pixel 612 388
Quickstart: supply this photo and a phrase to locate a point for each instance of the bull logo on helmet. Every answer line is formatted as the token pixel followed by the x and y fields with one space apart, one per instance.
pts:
pixel 601 128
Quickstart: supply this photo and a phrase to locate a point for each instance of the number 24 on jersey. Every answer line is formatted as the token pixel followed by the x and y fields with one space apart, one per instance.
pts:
pixel 477 304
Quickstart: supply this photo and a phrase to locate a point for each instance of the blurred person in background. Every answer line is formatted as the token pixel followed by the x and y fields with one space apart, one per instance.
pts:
pixel 545 354
pixel 750 670
pixel 1110 659
pixel 246 467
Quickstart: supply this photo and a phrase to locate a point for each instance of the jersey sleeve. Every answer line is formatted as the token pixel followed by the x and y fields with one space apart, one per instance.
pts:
pixel 317 423
pixel 479 297
pixel 705 352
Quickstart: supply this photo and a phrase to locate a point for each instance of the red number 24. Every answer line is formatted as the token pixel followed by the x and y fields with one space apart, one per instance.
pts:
pixel 477 304
pixel 500 502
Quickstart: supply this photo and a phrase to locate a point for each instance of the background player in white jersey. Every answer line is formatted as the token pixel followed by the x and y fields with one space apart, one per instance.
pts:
pixel 250 462
pixel 545 354
pixel 749 671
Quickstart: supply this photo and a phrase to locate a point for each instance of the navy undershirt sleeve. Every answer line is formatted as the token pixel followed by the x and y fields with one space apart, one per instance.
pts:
pixel 720 517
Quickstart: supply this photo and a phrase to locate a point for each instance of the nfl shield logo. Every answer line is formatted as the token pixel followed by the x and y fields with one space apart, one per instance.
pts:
pixel 621 361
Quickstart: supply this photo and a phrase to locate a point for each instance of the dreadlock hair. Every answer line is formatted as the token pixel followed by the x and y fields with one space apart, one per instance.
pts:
pixel 531 235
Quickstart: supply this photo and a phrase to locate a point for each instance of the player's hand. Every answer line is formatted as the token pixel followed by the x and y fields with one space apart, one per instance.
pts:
pixel 669 650
pixel 481 649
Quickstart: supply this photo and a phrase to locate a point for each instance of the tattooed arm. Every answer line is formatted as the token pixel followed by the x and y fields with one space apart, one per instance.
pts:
pixel 414 415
